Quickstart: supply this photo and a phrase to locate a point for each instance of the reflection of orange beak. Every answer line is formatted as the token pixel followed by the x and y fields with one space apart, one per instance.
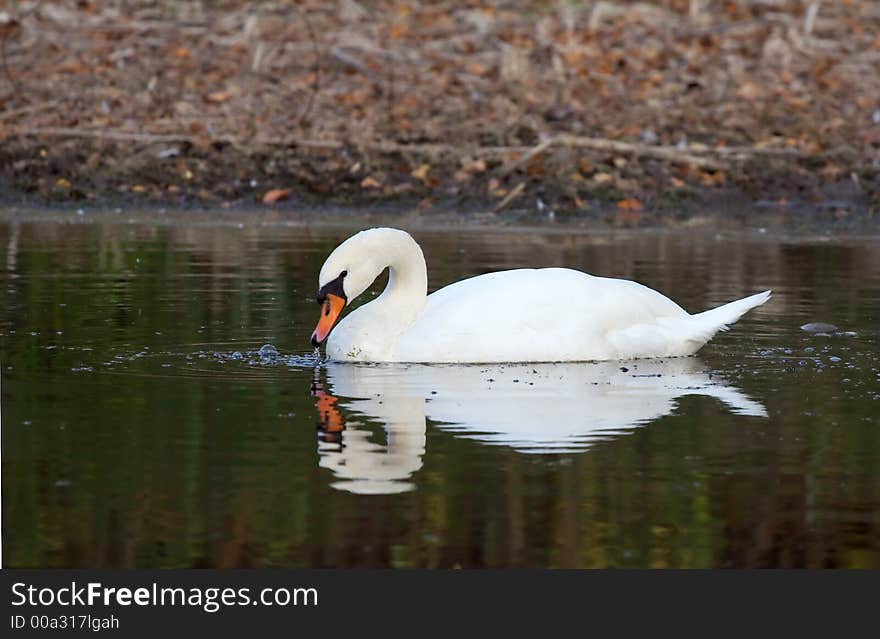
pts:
pixel 331 420
pixel 330 311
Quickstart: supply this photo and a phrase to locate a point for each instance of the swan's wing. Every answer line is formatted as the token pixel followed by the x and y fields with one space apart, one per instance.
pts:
pixel 536 314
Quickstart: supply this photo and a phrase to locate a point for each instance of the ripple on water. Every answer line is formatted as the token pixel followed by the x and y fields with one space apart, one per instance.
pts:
pixel 204 363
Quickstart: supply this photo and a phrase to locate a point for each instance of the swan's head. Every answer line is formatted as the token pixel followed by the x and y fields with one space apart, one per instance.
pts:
pixel 349 271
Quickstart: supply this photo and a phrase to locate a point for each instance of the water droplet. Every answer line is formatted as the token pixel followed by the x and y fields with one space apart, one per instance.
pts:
pixel 267 351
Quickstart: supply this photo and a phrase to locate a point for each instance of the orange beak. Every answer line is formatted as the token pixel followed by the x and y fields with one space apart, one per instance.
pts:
pixel 332 307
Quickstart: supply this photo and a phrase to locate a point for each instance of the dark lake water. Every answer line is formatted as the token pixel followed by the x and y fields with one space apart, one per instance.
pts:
pixel 142 428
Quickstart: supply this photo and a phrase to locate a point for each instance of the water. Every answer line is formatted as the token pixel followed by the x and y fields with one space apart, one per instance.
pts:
pixel 162 407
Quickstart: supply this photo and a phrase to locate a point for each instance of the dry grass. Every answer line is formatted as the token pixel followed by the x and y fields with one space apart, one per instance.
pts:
pixel 576 103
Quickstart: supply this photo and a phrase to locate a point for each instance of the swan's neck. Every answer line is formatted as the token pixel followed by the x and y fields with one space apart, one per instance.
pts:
pixel 403 299
pixel 370 333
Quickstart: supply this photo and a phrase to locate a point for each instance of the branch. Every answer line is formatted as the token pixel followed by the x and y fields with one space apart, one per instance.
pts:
pixel 666 153
pixel 691 157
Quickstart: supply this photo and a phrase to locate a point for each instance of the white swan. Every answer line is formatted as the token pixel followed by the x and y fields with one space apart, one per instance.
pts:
pixel 523 315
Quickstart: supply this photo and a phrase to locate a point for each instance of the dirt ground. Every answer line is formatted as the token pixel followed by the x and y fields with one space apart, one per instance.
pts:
pixel 628 111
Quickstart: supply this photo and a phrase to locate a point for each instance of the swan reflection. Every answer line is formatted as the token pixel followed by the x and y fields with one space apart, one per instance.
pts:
pixel 532 408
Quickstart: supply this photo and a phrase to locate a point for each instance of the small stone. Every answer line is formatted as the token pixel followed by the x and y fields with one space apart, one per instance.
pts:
pixel 819 327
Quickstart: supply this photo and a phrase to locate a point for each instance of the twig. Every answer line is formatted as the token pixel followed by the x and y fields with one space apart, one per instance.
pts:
pixel 350 61
pixel 810 18
pixel 104 134
pixel 510 197
pixel 11 26
pixel 316 86
pixel 389 93
pixel 738 152
pixel 510 167
pixel 669 154
pixel 666 153
pixel 33 108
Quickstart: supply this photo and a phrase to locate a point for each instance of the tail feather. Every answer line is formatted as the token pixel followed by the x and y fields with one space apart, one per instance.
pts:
pixel 710 322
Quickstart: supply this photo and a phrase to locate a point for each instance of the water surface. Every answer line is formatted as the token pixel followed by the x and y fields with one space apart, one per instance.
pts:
pixel 143 428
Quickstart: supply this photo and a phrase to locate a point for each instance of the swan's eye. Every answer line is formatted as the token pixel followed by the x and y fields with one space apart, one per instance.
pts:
pixel 343 274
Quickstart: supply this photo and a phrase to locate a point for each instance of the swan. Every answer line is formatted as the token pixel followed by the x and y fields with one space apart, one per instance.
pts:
pixel 522 315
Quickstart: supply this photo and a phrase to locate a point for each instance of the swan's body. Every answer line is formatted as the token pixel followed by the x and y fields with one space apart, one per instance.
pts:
pixel 523 315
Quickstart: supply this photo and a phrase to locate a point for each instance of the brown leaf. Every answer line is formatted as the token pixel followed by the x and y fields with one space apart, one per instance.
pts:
pixel 71 66
pixel 397 30
pixel 421 173
pixel 585 166
pixel 630 204
pixel 475 68
pixel 370 183
pixel 219 97
pixel 8 25
pixel 275 195
pixel 181 53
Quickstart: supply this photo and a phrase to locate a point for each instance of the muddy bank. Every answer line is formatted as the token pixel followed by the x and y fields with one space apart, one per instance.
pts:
pixel 625 114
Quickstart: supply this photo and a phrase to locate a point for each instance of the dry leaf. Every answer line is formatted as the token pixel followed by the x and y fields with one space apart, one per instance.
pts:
pixel 370 183
pixel 275 195
pixel 421 173
pixel 477 166
pixel 8 25
pixel 630 204
pixel 585 166
pixel 397 30
pixel 219 97
pixel 181 53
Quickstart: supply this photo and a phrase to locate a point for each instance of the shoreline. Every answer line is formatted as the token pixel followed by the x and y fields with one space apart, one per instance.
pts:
pixel 775 226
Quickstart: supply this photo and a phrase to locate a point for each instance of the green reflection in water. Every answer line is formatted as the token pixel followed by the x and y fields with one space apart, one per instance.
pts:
pixel 133 435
